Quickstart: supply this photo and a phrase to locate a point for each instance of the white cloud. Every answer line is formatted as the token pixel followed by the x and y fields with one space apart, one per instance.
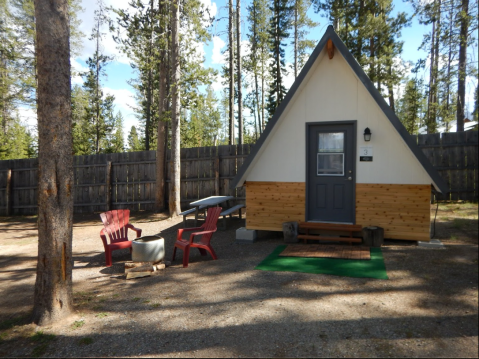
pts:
pixel 78 68
pixel 210 6
pixel 217 57
pixel 28 117
pixel 108 46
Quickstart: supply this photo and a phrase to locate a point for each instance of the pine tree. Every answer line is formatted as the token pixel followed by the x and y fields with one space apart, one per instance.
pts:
pixel 53 298
pixel 115 142
pixel 278 32
pixel 174 196
pixel 99 111
pixel 231 64
pixel 134 143
pixel 301 24
pixel 83 143
pixel 258 15
pixel 410 106
pixel 202 126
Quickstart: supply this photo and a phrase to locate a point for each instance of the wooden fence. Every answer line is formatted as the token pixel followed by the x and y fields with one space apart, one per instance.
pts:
pixel 454 155
pixel 127 180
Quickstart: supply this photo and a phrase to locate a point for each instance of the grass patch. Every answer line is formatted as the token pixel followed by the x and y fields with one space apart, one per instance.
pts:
pixel 82 298
pixel 40 337
pixel 10 323
pixel 146 301
pixel 155 305
pixel 453 238
pixel 458 223
pixel 136 299
pixel 39 350
pixel 43 340
pixel 85 341
pixel 101 315
pixel 78 324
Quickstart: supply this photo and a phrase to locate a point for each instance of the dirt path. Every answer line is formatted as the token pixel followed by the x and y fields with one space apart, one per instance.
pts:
pixel 428 307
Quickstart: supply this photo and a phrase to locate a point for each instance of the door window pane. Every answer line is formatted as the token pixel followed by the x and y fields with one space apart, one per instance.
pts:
pixel 331 142
pixel 330 164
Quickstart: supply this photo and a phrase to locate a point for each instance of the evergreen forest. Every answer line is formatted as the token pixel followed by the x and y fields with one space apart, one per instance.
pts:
pixel 266 43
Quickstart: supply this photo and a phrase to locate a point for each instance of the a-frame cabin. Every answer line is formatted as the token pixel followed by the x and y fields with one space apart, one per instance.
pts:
pixel 313 161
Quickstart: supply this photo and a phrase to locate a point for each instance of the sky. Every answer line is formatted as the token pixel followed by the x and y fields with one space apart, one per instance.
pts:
pixel 119 71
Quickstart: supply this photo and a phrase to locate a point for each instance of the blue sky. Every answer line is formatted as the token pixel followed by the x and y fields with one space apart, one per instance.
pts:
pixel 119 70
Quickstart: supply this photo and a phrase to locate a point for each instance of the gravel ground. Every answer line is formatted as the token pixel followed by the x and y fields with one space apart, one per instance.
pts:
pixel 225 308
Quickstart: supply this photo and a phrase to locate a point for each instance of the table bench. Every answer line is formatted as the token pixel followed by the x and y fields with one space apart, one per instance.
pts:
pixel 230 211
pixel 330 227
pixel 189 211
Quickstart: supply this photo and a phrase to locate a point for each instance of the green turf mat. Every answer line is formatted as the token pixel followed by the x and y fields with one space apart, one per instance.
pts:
pixel 373 268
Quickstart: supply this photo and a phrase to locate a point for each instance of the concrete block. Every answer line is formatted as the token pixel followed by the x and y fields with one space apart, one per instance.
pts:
pixel 433 243
pixel 244 235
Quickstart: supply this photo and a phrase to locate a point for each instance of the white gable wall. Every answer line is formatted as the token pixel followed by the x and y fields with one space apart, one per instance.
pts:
pixel 332 92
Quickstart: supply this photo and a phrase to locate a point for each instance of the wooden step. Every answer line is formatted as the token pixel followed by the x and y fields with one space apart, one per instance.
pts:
pixel 331 226
pixel 305 237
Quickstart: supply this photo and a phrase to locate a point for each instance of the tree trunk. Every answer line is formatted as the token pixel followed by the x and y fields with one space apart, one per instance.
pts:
pixel 97 100
pixel 161 130
pixel 231 96
pixel 390 89
pixel 431 108
pixel 53 286
pixel 238 57
pixel 175 201
pixel 461 82
pixel 296 39
pixel 262 93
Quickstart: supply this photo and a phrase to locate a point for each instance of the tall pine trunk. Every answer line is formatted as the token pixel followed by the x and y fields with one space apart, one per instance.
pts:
pixel 295 39
pixel 175 200
pixel 461 82
pixel 231 95
pixel 53 286
pixel 97 93
pixel 162 99
pixel 238 57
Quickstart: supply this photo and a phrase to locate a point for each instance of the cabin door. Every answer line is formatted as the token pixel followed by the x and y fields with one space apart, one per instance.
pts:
pixel 330 174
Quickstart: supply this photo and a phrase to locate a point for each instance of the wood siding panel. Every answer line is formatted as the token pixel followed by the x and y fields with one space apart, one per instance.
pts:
pixel 402 210
pixel 269 204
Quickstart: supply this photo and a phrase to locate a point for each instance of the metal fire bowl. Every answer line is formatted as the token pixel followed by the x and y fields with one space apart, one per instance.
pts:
pixel 148 249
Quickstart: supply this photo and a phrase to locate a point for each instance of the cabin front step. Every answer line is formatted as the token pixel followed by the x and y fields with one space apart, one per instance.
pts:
pixel 329 227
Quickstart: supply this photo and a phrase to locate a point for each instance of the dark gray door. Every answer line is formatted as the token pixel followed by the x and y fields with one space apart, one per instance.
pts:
pixel 330 173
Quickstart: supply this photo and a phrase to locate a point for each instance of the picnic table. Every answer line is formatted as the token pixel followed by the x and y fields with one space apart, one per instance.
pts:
pixel 205 203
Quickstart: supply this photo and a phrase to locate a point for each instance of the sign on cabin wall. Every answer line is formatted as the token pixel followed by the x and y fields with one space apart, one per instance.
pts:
pixel 366 153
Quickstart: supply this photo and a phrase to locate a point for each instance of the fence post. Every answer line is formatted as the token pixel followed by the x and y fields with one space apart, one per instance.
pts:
pixel 217 176
pixel 8 192
pixel 108 185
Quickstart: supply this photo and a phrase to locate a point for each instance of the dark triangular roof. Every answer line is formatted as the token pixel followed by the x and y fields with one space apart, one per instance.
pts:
pixel 341 47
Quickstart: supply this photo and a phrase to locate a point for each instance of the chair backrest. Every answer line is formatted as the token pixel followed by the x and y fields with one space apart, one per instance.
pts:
pixel 115 224
pixel 210 225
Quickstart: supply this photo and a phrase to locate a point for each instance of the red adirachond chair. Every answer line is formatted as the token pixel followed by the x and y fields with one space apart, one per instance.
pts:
pixel 205 231
pixel 116 225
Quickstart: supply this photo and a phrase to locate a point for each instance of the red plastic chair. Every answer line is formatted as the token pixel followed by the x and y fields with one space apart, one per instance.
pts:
pixel 205 231
pixel 116 225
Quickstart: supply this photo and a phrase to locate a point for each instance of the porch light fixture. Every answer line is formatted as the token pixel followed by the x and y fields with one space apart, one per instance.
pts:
pixel 367 134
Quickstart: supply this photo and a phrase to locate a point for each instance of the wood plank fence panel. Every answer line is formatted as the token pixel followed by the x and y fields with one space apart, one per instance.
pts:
pixel 205 171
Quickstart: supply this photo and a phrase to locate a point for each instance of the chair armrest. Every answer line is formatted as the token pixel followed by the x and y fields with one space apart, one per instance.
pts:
pixel 103 238
pixel 192 236
pixel 181 230
pixel 137 230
